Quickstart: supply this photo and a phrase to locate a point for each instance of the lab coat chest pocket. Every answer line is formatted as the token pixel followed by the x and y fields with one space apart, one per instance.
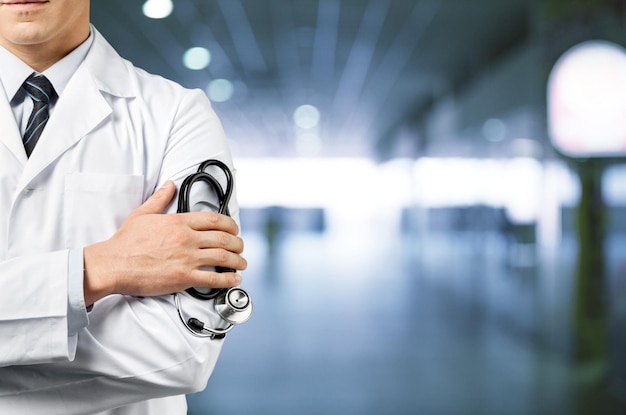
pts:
pixel 97 204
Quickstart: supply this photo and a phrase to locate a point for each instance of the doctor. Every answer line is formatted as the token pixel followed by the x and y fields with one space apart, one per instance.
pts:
pixel 85 224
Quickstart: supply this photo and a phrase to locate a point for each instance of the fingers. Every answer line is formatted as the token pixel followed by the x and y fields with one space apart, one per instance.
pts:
pixel 158 202
pixel 202 221
pixel 220 240
pixel 213 279
pixel 221 258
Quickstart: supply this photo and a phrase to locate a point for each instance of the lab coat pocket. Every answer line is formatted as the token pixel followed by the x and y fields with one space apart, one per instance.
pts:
pixel 97 204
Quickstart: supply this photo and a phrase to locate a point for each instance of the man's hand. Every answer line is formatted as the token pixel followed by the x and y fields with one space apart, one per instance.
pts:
pixel 155 254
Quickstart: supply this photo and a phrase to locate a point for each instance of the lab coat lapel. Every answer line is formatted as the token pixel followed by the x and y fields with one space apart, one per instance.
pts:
pixel 10 136
pixel 82 106
pixel 79 110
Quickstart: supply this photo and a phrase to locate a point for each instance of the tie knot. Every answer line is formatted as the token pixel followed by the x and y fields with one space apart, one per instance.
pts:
pixel 39 88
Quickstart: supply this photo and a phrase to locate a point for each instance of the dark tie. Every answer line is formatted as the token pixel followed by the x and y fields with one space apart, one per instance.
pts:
pixel 41 92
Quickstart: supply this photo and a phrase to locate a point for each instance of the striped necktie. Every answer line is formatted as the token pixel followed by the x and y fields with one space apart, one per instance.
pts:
pixel 41 92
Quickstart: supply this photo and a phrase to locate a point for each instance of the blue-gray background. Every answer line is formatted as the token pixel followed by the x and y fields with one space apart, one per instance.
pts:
pixel 413 249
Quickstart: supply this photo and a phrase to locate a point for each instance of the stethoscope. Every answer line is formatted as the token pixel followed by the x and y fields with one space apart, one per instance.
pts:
pixel 233 305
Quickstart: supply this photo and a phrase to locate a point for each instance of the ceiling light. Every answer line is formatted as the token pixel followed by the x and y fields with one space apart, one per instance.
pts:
pixel 197 58
pixel 220 90
pixel 494 130
pixel 157 9
pixel 306 116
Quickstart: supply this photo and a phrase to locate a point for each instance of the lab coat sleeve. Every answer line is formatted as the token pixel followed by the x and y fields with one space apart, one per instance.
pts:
pixel 134 349
pixel 34 290
pixel 76 309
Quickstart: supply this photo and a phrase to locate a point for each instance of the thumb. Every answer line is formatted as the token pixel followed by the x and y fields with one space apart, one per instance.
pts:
pixel 159 200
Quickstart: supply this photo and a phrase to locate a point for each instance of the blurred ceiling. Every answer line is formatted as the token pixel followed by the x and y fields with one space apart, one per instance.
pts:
pixel 368 65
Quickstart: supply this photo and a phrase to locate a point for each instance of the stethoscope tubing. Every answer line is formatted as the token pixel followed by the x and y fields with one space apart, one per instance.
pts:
pixel 194 325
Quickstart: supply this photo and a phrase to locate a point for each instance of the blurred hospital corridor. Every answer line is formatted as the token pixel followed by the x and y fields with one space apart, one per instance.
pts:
pixel 437 310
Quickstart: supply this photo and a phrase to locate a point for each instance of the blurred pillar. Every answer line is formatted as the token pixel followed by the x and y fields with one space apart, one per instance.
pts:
pixel 591 310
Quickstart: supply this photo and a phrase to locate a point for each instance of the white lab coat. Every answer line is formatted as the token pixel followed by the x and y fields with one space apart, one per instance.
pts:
pixel 116 134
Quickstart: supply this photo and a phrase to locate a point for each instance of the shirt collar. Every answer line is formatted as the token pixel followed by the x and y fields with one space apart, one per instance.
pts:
pixel 14 71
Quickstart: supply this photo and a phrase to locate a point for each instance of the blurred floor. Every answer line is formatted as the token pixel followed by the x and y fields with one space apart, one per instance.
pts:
pixel 451 323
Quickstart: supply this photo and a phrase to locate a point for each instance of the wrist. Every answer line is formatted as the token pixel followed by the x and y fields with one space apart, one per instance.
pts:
pixel 97 281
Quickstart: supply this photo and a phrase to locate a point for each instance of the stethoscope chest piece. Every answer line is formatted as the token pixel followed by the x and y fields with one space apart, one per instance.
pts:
pixel 234 305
